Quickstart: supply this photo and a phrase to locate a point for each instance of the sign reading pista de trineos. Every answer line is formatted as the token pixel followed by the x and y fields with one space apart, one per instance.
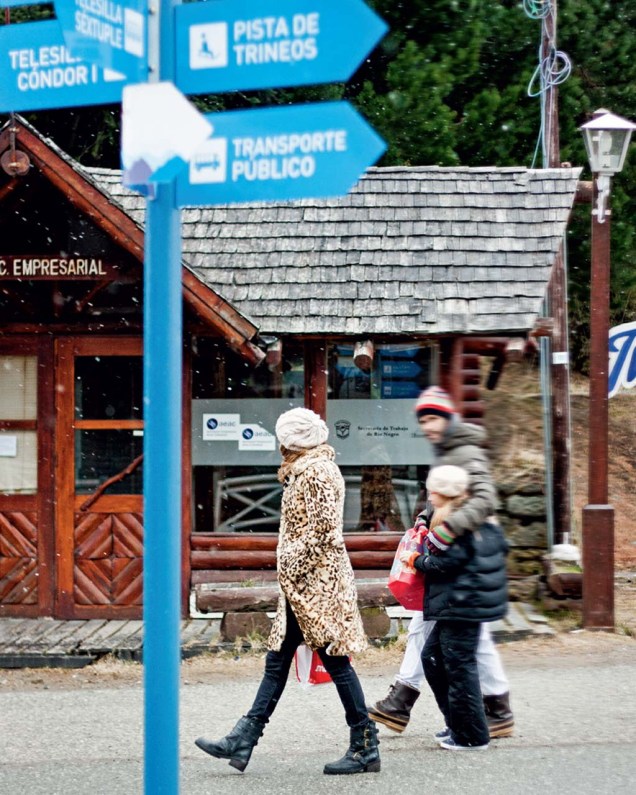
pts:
pixel 248 44
pixel 38 71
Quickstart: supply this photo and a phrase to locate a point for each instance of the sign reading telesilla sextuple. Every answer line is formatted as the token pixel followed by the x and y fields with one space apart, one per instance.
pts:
pixel 109 33
pixel 247 44
pixel 39 71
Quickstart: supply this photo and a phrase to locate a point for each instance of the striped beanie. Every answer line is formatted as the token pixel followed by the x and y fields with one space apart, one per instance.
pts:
pixel 435 400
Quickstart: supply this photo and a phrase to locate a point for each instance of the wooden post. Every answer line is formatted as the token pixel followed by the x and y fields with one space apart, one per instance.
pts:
pixel 557 300
pixel 598 516
pixel 316 376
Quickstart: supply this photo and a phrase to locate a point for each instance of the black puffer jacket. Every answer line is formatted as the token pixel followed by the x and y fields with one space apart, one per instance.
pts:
pixel 467 582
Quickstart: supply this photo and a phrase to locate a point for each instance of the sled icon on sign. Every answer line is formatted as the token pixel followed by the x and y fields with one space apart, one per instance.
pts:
pixel 208 46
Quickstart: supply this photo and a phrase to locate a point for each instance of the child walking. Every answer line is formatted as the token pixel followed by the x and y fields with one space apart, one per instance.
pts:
pixel 465 585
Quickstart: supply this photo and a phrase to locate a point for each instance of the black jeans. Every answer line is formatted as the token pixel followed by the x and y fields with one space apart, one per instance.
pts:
pixel 450 667
pixel 277 665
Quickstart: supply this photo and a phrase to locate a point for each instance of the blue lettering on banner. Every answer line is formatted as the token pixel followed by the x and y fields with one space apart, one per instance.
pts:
pixel 232 44
pixel 305 151
pixel 622 358
pixel 40 72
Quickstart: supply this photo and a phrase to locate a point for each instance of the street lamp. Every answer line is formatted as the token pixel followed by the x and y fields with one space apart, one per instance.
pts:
pixel 606 140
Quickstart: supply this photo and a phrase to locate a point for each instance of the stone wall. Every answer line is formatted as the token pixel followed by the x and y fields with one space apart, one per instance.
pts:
pixel 522 514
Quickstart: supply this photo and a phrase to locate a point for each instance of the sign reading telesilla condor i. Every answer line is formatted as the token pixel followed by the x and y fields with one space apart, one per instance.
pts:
pixel 54 267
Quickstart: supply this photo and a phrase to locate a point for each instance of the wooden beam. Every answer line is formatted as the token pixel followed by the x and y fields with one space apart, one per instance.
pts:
pixel 584 192
pixel 377 542
pixel 8 188
pixel 246 559
pixel 227 321
pixel 543 327
pixel 82 195
pixel 80 303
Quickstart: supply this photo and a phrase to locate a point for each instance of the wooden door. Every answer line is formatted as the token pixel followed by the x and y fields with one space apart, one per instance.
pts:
pixel 99 441
pixel 26 476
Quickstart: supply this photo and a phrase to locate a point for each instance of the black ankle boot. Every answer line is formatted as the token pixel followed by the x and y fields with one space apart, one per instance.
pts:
pixel 499 715
pixel 394 711
pixel 237 746
pixel 362 755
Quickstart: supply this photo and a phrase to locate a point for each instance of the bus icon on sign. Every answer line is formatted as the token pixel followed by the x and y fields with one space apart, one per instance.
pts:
pixel 209 163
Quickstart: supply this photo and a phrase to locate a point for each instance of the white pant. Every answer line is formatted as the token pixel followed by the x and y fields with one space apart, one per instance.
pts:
pixel 492 677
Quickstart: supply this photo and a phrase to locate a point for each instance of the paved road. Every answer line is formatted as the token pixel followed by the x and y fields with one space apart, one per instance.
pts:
pixel 576 733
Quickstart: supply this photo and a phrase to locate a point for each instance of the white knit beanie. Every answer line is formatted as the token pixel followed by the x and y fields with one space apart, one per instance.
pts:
pixel 447 480
pixel 300 429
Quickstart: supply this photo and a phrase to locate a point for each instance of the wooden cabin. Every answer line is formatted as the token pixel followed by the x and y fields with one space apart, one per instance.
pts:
pixel 348 306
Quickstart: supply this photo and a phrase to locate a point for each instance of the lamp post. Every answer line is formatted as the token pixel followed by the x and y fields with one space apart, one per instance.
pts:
pixel 606 140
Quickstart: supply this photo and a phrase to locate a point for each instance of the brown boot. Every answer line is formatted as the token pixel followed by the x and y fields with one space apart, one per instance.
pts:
pixel 499 715
pixel 394 711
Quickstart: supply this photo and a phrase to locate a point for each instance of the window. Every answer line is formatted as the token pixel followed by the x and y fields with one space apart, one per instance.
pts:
pixel 18 434
pixel 235 453
pixel 109 423
pixel 382 454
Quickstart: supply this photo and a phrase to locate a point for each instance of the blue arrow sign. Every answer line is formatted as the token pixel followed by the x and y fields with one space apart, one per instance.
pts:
pixel 247 44
pixel 39 72
pixel 275 154
pixel 109 33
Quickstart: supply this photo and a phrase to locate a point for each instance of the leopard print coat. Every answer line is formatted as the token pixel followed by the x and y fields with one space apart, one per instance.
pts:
pixel 314 570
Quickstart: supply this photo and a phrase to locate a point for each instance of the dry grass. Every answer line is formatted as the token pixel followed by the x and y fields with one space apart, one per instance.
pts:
pixel 514 418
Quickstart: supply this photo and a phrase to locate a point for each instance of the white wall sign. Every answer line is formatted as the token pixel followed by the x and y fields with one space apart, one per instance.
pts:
pixel 235 447
pixel 8 445
pixel 379 432
pixel 253 437
pixel 221 427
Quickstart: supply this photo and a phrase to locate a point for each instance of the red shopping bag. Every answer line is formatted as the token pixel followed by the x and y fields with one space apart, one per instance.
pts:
pixel 406 584
pixel 309 667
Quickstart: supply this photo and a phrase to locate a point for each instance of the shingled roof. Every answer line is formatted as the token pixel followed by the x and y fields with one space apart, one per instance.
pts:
pixel 424 250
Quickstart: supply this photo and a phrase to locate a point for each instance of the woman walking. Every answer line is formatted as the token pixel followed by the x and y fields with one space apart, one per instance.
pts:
pixel 317 601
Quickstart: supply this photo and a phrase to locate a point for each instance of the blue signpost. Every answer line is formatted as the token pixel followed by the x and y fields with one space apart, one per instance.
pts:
pixel 269 154
pixel 247 44
pixel 38 71
pixel 111 34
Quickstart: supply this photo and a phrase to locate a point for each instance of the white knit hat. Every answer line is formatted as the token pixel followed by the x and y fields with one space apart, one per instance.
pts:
pixel 300 429
pixel 450 481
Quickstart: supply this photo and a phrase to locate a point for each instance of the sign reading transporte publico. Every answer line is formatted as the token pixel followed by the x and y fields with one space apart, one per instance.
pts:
pixel 297 152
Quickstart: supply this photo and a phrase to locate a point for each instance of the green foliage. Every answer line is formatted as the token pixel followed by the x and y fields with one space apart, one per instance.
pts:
pixel 449 85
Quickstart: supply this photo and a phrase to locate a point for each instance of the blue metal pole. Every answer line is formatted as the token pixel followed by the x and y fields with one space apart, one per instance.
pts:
pixel 163 330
